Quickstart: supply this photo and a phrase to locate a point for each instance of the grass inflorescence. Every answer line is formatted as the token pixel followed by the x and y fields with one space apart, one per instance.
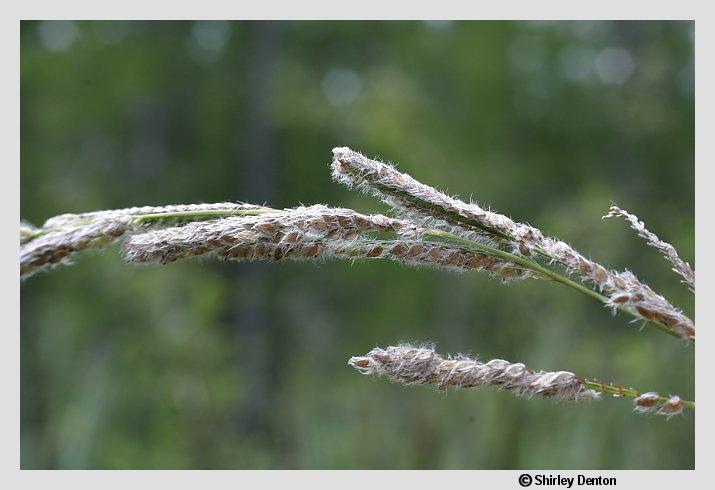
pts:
pixel 429 228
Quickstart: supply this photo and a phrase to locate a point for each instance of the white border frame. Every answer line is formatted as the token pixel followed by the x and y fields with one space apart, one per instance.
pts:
pixel 364 9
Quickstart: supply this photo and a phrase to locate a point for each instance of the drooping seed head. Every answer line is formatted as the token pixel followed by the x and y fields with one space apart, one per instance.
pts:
pixel 430 206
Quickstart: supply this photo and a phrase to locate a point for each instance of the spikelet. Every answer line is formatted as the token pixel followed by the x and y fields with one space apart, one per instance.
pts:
pixel 409 365
pixel 652 402
pixel 680 267
pixel 406 194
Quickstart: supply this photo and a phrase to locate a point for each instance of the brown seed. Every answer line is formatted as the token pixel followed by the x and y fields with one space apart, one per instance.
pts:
pixel 116 232
pixel 375 251
pixel 601 274
pixel 673 405
pixel 415 251
pixel 278 253
pixel 362 363
pixel 292 237
pixel 584 268
pixel 344 221
pixel 312 250
pixel 620 284
pixel 239 252
pixel 360 223
pixel 59 254
pixel 508 271
pixel 647 400
pixel 261 250
pixel 398 250
pixel 479 261
pixel 645 313
pixel 454 258
pixel 433 254
pixel 318 224
pixel 226 238
pixel 524 249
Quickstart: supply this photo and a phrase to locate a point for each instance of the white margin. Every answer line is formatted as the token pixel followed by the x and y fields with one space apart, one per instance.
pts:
pixel 14 11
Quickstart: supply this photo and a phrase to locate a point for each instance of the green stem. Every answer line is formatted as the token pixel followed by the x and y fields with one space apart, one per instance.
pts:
pixel 477 247
pixel 621 392
pixel 198 215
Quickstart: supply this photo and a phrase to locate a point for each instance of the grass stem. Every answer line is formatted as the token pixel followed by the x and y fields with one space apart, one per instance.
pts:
pixel 477 247
pixel 621 392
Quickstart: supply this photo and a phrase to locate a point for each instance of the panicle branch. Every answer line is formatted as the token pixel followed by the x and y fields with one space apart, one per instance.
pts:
pixel 443 256
pixel 409 365
pixel 287 227
pixel 680 267
pixel 407 195
pixel 412 197
pixel 195 211
pixel 310 233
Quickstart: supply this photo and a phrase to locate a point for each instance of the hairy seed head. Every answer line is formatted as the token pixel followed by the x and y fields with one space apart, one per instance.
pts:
pixel 430 206
pixel 680 267
pixel 409 364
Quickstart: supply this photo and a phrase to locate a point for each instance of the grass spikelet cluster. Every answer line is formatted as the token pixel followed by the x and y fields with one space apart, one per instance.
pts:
pixel 409 365
pixel 284 228
pixel 652 402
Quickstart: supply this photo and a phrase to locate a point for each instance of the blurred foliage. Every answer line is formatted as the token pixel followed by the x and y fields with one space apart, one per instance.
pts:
pixel 225 365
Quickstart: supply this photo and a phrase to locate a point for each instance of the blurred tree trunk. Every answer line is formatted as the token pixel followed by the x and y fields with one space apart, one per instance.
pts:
pixel 258 336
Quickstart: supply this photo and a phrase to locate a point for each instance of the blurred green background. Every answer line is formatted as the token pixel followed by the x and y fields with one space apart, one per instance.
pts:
pixel 201 364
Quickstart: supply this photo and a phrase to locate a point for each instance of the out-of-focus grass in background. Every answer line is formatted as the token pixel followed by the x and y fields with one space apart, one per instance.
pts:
pixel 226 365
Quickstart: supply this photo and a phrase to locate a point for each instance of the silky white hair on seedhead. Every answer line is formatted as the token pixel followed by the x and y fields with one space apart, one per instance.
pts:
pixel 409 365
pixel 423 202
pixel 680 267
pixel 652 402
